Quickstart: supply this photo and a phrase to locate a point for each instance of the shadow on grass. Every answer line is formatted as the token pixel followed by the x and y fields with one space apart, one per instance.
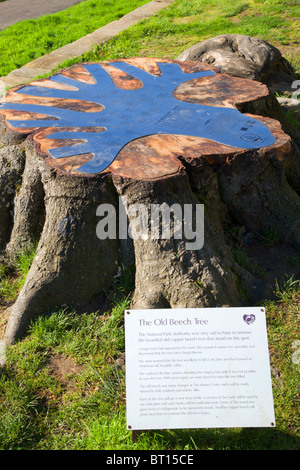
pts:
pixel 228 439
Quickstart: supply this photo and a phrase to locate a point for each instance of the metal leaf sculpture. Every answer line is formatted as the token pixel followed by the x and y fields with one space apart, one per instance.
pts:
pixel 96 117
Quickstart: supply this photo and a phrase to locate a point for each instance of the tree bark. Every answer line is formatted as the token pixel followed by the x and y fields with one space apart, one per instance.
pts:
pixel 245 57
pixel 57 203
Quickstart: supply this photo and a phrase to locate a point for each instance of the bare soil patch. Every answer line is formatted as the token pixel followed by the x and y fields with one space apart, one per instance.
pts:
pixel 63 368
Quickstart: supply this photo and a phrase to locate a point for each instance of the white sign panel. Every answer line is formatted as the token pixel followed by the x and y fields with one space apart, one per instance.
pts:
pixel 197 368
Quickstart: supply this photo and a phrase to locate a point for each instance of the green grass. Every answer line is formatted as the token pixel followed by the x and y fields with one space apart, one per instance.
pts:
pixel 164 35
pixel 30 39
pixel 84 407
pixel 268 236
pixel 186 22
pixel 240 256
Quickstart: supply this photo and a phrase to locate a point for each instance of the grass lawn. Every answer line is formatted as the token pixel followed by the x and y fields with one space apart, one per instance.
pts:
pixel 63 386
pixel 30 39
pixel 186 22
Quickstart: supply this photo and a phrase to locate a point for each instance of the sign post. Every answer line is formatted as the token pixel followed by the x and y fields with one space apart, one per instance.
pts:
pixel 197 368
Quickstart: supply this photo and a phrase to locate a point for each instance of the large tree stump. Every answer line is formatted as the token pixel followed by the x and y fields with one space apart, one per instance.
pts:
pixel 150 132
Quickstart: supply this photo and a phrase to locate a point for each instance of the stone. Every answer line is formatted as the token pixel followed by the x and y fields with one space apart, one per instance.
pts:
pixel 153 133
pixel 246 57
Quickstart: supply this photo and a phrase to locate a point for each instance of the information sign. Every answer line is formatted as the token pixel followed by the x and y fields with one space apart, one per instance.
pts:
pixel 197 368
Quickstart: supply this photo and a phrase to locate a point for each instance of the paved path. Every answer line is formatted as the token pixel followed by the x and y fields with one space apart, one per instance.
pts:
pixel 45 64
pixel 12 11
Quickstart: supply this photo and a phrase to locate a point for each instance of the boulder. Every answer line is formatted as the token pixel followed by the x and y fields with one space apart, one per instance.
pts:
pixel 245 57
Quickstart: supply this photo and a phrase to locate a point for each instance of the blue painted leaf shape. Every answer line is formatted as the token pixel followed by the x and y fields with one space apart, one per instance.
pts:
pixel 132 114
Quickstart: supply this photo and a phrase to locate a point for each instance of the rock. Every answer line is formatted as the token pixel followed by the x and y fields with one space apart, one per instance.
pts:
pixel 245 57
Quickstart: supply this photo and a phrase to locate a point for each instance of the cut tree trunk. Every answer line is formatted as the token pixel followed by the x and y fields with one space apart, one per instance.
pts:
pixel 175 139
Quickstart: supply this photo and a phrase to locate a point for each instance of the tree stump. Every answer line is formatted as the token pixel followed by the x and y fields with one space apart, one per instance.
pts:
pixel 105 143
